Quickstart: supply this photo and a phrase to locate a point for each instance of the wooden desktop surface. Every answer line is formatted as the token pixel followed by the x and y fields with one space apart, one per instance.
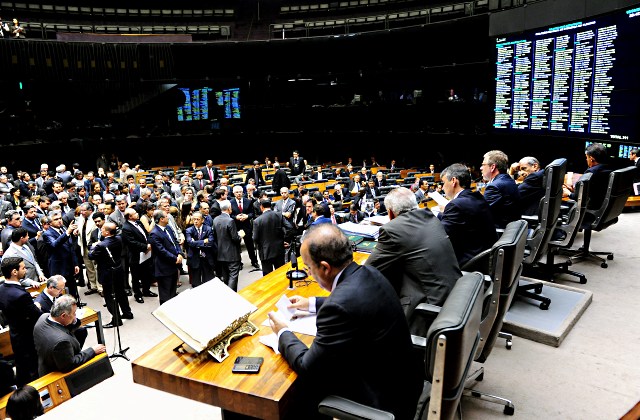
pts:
pixel 264 395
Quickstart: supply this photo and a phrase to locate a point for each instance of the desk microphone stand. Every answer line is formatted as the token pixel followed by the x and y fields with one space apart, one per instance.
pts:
pixel 294 274
pixel 116 318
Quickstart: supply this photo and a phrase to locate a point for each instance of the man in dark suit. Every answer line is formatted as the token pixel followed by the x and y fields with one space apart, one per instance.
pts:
pixel 135 238
pixel 201 250
pixel 242 214
pixel 20 247
pixel 14 221
pixel 280 179
pixel 59 351
pixel 268 236
pixel 393 385
pixel 415 255
pixel 596 155
pixel 229 258
pixel 501 191
pixel 531 189
pixel 61 246
pixel 106 254
pixel 355 215
pixel 199 182
pixel 21 314
pixel 31 223
pixel 210 173
pixel 296 164
pixel 255 173
pixel 466 218
pixel 167 256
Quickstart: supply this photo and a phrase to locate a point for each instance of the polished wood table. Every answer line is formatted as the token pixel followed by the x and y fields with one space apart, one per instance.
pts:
pixel 265 395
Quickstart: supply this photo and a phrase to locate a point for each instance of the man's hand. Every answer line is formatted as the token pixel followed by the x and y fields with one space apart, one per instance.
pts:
pixel 99 348
pixel 179 259
pixel 299 302
pixel 276 322
pixel 76 270
pixel 42 278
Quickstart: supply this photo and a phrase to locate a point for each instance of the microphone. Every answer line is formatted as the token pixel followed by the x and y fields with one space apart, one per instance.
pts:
pixel 295 273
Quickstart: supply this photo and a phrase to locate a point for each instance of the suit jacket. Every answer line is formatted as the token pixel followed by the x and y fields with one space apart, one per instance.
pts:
pixel 290 206
pixel 268 235
pixel 135 241
pixel 469 224
pixel 45 302
pixel 247 209
pixel 531 191
pixel 280 179
pixel 58 349
pixel 598 185
pixel 21 314
pixel 199 184
pixel 5 236
pixel 299 168
pixel 416 256
pixel 205 173
pixel 62 255
pixel 421 195
pixel 106 254
pixel 91 226
pixel 503 198
pixel 196 245
pixel 350 328
pixel 32 228
pixel 256 174
pixel 357 218
pixel 30 262
pixel 228 238
pixel 165 252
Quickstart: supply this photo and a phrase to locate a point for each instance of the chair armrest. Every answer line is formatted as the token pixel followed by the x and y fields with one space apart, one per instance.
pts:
pixel 478 263
pixel 532 221
pixel 344 409
pixel 429 308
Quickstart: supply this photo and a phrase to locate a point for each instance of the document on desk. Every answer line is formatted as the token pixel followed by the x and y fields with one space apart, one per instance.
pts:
pixel 299 321
pixel 438 198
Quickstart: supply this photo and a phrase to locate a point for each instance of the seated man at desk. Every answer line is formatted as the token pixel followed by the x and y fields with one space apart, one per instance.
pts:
pixel 373 365
pixel 531 189
pixel 501 191
pixel 59 351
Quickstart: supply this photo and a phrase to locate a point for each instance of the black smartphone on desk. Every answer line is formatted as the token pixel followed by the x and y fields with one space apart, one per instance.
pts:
pixel 245 364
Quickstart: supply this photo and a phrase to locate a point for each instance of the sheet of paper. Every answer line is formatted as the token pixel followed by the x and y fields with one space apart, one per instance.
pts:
pixel 144 256
pixel 270 340
pixel 438 198
pixel 285 312
pixel 303 323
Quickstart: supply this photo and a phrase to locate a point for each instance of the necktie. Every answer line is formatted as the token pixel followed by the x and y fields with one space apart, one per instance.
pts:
pixel 172 237
pixel 139 228
pixel 240 205
pixel 210 175
pixel 84 235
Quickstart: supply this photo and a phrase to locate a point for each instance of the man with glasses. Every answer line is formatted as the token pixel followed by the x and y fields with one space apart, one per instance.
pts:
pixel 501 191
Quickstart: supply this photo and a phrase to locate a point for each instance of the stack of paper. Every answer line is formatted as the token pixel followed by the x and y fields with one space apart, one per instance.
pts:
pixel 367 231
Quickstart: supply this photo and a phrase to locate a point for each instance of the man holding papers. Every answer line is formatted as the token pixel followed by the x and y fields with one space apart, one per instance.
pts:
pixel 466 218
pixel 361 351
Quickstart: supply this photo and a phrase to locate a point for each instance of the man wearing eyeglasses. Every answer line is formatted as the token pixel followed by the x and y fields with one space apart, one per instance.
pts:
pixel 501 191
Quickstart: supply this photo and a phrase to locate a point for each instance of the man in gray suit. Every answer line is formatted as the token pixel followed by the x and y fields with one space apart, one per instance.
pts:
pixel 13 222
pixel 286 209
pixel 59 351
pixel 20 247
pixel 415 254
pixel 229 258
pixel 268 237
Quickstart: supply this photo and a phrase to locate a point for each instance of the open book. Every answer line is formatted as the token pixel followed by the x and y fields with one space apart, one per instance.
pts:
pixel 208 317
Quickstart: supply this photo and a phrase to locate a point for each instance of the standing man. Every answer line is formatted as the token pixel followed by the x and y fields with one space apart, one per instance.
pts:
pixel 268 235
pixel 167 257
pixel 106 254
pixel 86 226
pixel 59 351
pixel 280 179
pixel 396 384
pixel 202 249
pixel 501 191
pixel 61 246
pixel 286 208
pixel 20 247
pixel 14 221
pixel 296 164
pixel 415 255
pixel 210 173
pixel 466 218
pixel 242 213
pixel 135 237
pixel 255 173
pixel 21 313
pixel 229 258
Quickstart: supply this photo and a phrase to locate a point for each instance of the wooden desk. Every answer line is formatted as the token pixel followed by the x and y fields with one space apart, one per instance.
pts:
pixel 633 201
pixel 265 395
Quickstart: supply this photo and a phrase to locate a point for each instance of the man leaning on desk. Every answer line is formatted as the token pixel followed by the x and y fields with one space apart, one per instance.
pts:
pixel 362 351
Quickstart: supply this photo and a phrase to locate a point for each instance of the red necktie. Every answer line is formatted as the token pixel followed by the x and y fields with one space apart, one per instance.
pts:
pixel 240 205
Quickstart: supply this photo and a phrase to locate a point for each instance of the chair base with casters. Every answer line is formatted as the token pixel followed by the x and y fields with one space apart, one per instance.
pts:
pixel 478 376
pixel 583 253
pixel 508 339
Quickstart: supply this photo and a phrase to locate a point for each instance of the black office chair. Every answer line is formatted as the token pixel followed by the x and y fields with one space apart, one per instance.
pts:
pixel 502 264
pixel 542 227
pixel 450 346
pixel 618 190
pixel 569 224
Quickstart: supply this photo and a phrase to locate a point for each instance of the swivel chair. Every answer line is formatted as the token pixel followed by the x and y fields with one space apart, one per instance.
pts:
pixel 542 227
pixel 618 190
pixel 450 346
pixel 502 266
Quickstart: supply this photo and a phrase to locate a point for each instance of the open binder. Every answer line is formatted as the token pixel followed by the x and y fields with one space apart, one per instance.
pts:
pixel 207 318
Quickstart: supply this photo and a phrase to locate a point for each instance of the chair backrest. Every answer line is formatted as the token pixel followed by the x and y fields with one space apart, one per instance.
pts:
pixel 505 269
pixel 451 345
pixel 549 210
pixel 618 191
pixel 576 212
